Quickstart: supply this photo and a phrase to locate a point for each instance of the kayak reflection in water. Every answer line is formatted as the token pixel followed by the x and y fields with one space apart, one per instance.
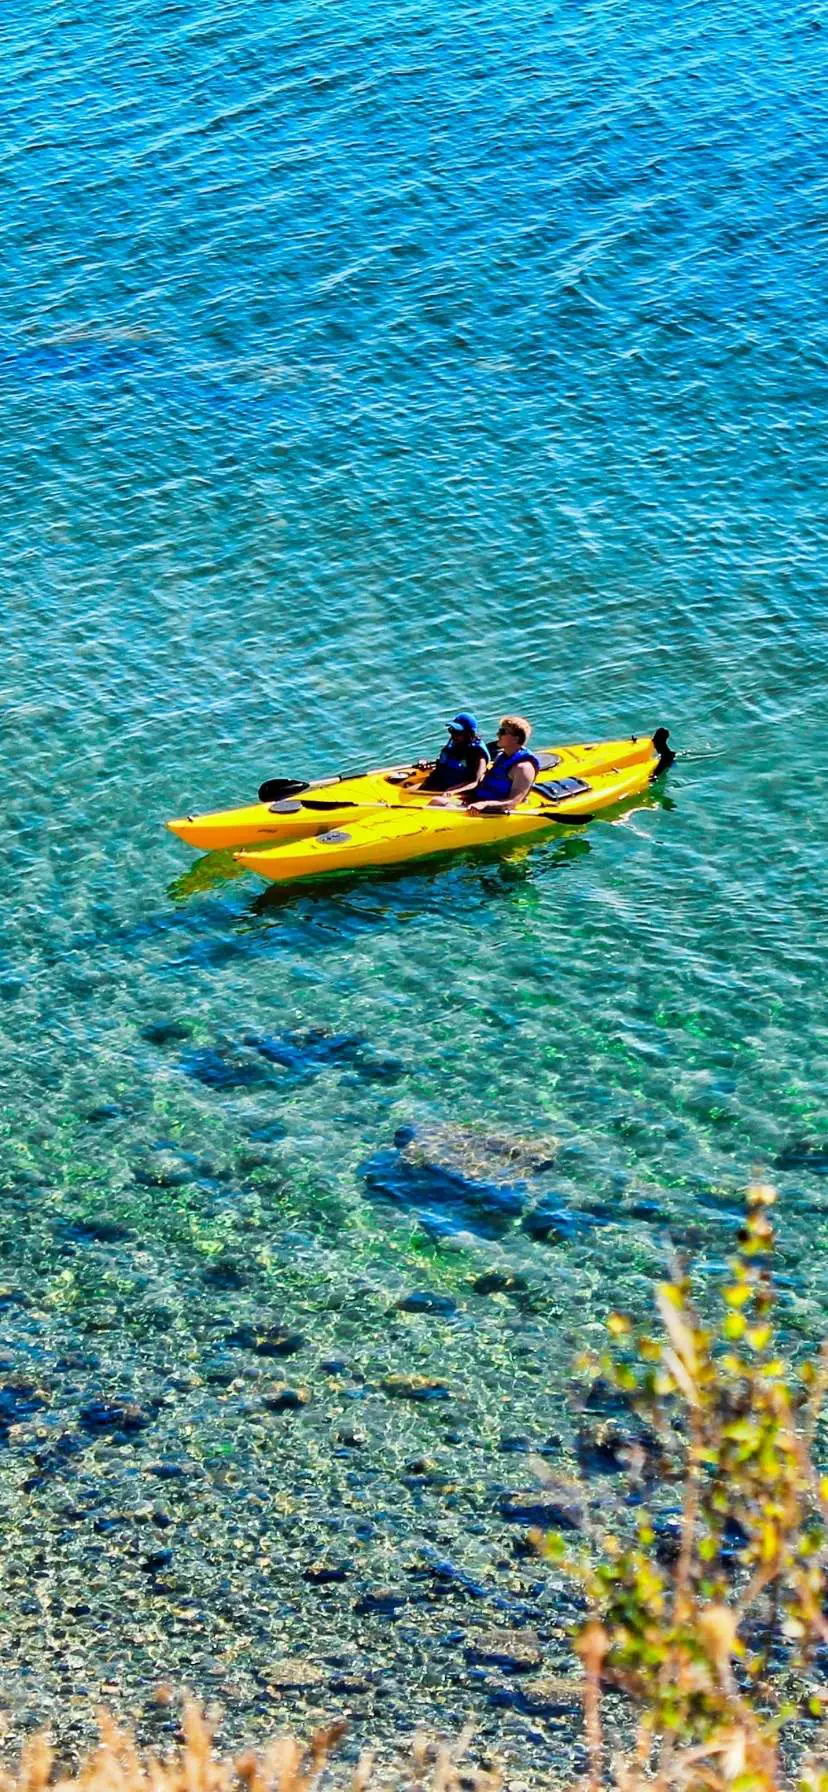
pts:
pixel 463 760
pixel 510 777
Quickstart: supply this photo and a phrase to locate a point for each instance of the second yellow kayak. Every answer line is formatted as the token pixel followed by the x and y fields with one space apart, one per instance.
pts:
pixel 393 836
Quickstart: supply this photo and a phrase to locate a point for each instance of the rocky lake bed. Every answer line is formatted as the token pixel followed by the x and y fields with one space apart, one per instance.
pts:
pixel 297 1480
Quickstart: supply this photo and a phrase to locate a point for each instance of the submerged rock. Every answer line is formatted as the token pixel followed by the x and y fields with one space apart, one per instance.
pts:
pixel 325 1574
pixel 114 1415
pixel 381 1601
pixel 477 1153
pixel 217 1071
pixel 551 1223
pixel 304 1053
pixel 804 1154
pixel 513 1651
pixel 13 1297
pixel 166 1032
pixel 19 1399
pixel 292 1675
pixel 542 1697
pixel 96 1229
pixel 56 1456
pixel 556 1508
pixel 424 1301
pixel 458 1178
pixel 266 1339
pixel 280 1397
pixel 415 1387
pixel 499 1281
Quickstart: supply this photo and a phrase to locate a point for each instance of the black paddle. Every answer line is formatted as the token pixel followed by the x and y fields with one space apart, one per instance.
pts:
pixel 274 788
pixel 563 788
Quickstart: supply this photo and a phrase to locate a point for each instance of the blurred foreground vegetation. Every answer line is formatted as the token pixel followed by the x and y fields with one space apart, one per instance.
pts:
pixel 714 1640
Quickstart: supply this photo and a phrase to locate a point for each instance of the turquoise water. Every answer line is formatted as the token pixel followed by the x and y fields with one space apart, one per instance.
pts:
pixel 356 365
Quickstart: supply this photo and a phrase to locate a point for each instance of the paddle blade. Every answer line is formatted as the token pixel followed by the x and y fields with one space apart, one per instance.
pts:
pixel 274 788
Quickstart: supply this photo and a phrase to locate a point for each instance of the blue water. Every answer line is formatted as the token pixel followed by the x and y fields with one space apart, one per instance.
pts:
pixel 356 365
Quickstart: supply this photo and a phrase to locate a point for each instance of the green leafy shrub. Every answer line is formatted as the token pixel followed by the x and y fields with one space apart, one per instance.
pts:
pixel 706 1637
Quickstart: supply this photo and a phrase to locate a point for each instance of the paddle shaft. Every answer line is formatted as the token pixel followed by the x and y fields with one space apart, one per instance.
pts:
pixel 333 808
pixel 286 787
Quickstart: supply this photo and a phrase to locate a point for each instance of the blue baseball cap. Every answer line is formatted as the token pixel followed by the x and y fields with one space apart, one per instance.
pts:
pixel 463 723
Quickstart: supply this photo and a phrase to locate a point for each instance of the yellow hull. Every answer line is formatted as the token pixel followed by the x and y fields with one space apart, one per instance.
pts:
pixel 394 837
pixel 262 824
pixel 265 824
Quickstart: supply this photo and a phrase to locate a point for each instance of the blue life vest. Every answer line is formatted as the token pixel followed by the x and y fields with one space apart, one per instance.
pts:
pixel 457 763
pixel 496 784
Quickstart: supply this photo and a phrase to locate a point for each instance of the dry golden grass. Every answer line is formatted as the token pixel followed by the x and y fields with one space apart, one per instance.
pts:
pixel 285 1765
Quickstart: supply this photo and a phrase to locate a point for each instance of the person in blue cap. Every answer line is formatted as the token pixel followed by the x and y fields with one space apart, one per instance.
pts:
pixel 463 760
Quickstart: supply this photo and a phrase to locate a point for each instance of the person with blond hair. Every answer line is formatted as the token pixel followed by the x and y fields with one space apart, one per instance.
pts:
pixel 510 777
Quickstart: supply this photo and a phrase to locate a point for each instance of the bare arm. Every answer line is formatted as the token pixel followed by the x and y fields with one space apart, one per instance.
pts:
pixel 523 777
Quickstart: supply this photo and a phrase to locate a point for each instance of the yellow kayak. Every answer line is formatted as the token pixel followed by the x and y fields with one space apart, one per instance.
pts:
pixel 311 809
pixel 393 836
pixel 288 818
